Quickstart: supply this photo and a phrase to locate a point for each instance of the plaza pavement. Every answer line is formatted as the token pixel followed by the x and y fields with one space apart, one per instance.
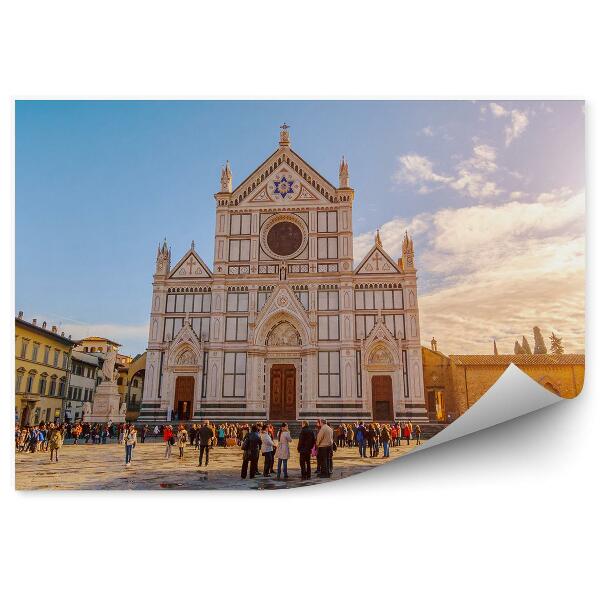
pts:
pixel 101 467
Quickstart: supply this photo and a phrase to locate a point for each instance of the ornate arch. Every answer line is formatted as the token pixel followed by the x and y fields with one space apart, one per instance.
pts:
pixel 270 322
pixel 283 334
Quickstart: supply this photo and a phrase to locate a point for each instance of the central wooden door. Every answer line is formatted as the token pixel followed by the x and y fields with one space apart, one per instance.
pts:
pixel 283 393
pixel 383 399
pixel 184 398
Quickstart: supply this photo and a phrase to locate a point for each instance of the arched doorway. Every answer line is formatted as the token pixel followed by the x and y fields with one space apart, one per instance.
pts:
pixel 382 397
pixel 184 398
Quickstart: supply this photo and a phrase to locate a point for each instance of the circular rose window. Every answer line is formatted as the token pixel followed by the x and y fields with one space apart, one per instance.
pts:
pixel 284 238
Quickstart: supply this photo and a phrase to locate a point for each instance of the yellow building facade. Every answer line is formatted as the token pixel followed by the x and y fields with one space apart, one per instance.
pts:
pixel 42 363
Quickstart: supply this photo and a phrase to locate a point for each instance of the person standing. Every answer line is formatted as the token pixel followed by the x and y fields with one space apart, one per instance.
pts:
pixel 130 439
pixel 251 447
pixel 361 440
pixel 168 439
pixel 182 438
pixel 204 436
pixel 156 430
pixel 55 441
pixel 267 450
pixel 144 433
pixel 385 440
pixel 418 434
pixel 306 441
pixel 324 448
pixel 282 453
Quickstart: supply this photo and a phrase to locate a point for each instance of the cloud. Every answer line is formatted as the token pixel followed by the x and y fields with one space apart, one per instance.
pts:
pixel 427 131
pixel 518 121
pixel 471 179
pixel 496 271
pixel 133 338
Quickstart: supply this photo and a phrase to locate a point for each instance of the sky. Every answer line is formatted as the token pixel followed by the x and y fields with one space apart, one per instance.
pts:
pixel 491 191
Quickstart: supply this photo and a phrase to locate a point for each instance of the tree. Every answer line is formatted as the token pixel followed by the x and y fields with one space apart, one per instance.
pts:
pixel 518 349
pixel 495 348
pixel 556 346
pixel 540 346
pixel 525 345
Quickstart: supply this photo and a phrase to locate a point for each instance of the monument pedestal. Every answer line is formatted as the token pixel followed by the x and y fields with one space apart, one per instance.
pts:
pixel 106 404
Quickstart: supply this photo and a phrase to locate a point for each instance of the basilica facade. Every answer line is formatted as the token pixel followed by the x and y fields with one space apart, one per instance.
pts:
pixel 284 326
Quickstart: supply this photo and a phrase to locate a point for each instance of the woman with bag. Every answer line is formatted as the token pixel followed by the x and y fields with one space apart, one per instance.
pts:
pixel 283 450
pixel 182 438
pixel 168 439
pixel 130 439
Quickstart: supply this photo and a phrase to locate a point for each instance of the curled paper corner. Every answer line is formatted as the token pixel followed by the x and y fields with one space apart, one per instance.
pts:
pixel 513 395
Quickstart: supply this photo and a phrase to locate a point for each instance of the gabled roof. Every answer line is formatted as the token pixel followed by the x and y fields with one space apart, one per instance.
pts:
pixel 371 267
pixel 195 269
pixel 283 155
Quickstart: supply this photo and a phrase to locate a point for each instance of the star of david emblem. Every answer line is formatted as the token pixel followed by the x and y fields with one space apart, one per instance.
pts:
pixel 283 187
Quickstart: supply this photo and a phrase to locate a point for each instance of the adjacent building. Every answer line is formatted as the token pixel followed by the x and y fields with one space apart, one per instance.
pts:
pixel 42 371
pixel 82 384
pixel 453 383
pixel 285 326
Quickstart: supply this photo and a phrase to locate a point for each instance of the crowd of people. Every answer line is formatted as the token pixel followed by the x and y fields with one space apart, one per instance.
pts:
pixel 254 440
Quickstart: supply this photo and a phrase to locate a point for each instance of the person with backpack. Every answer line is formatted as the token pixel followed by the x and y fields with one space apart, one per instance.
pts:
pixel 268 450
pixel 204 437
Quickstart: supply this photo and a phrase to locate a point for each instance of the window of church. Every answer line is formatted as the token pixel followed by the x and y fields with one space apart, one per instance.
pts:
pixel 240 224
pixel 172 328
pixel 395 323
pixel 239 250
pixel 237 302
pixel 302 295
pixel 236 329
pixel 364 325
pixel 262 298
pixel 188 303
pixel 328 300
pixel 201 326
pixel 329 327
pixel 378 299
pixel 327 247
pixel 329 374
pixel 234 374
pixel 327 222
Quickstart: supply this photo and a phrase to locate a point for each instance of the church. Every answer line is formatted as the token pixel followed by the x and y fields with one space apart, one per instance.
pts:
pixel 285 326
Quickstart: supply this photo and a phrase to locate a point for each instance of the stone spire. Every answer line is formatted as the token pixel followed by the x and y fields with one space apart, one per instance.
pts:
pixel 378 239
pixel 163 259
pixel 408 252
pixel 284 135
pixel 344 177
pixel 226 178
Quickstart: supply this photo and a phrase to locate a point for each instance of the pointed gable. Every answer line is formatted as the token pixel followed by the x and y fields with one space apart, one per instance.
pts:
pixel 284 177
pixel 191 266
pixel 376 262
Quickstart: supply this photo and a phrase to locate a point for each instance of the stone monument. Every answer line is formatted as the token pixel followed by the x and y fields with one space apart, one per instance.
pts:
pixel 106 403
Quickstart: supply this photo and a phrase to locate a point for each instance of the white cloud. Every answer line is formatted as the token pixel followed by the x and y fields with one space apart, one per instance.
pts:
pixel 518 121
pixel 427 131
pixel 471 177
pixel 496 271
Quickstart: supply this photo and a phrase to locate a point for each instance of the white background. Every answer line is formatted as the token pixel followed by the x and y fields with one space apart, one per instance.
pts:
pixel 511 511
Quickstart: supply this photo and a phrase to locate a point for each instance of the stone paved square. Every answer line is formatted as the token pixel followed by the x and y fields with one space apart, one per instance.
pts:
pixel 101 467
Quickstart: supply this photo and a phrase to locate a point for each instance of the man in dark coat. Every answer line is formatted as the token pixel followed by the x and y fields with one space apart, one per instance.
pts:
pixel 251 447
pixel 306 441
pixel 204 435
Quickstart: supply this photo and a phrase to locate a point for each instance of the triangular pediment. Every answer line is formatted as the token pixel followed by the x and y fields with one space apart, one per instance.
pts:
pixel 191 266
pixel 284 178
pixel 376 262
pixel 185 349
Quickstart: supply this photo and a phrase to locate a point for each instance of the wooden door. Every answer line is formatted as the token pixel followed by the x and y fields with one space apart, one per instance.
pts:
pixel 383 399
pixel 184 398
pixel 283 393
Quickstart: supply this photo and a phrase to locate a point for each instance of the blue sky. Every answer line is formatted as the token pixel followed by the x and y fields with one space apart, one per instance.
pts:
pixel 491 191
